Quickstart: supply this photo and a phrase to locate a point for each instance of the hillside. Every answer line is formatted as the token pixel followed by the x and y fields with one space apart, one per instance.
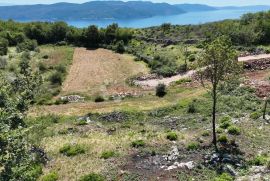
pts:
pixel 90 10
pixel 195 7
pixel 168 103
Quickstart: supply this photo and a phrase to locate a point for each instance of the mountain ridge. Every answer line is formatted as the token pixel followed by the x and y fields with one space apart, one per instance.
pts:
pixel 99 10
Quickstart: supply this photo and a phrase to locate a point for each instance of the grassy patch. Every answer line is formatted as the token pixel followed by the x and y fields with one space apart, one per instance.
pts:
pixel 72 150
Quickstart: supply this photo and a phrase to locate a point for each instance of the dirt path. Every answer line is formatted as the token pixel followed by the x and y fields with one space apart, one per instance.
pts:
pixel 101 71
pixel 150 83
pixel 253 57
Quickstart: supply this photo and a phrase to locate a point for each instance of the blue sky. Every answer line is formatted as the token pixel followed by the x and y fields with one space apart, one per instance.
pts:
pixel 209 2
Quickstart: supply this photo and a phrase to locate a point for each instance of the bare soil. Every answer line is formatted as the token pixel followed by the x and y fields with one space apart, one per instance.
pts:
pixel 102 72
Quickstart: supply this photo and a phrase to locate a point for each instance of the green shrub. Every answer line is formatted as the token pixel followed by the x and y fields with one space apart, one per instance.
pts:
pixel 225 119
pixel 107 154
pixel 99 99
pixel 120 47
pixel 53 176
pixel 206 133
pixel 138 143
pixel 3 62
pixel 172 136
pixel 81 123
pixel 192 58
pixel 225 122
pixel 45 56
pixel 193 146
pixel 72 150
pixel 233 130
pixel 61 68
pixel 191 107
pixel 225 125
pixel 161 90
pixel 255 115
pixel 92 177
pixel 182 81
pixel 259 160
pixel 222 139
pixel 224 177
pixel 219 130
pixel 56 78
pixel 3 46
pixel 42 67
pixel 27 45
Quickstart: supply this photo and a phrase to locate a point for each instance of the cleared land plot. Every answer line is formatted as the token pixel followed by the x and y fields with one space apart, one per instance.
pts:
pixel 102 72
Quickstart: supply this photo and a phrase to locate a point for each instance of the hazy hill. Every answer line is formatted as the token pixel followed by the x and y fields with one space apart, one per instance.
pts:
pixel 195 7
pixel 98 10
pixel 89 10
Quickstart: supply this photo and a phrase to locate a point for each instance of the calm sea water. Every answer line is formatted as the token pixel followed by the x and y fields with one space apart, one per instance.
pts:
pixel 182 19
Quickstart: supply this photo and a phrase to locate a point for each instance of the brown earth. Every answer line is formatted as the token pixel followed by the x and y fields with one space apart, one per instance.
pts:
pixel 101 71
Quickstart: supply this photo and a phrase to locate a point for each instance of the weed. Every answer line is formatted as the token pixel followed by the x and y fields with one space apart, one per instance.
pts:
pixel 223 139
pixel 92 177
pixel 107 154
pixel 138 143
pixel 172 136
pixel 233 130
pixel 72 150
pixel 52 176
pixel 193 146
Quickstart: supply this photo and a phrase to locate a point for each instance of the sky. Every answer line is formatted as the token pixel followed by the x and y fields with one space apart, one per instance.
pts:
pixel 209 2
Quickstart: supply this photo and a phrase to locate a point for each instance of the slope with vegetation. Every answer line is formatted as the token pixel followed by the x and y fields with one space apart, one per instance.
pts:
pixel 213 126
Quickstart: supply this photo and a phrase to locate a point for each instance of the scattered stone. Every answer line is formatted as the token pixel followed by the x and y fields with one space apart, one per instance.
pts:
pixel 73 98
pixel 114 116
pixel 229 169
pixel 85 118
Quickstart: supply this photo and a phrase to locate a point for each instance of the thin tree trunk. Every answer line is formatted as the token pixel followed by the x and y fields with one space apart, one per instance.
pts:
pixel 214 117
pixel 264 109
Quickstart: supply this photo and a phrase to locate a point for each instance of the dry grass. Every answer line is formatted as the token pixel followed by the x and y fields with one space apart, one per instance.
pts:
pixel 101 72
pixel 96 141
pixel 144 103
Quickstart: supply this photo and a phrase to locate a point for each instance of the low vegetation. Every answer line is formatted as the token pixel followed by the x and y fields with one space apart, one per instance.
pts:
pixel 208 127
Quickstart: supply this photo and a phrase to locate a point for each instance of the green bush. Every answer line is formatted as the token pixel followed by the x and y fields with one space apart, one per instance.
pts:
pixel 120 47
pixel 259 160
pixel 53 176
pixel 72 150
pixel 225 122
pixel 193 146
pixel 81 123
pixel 42 67
pixel 3 47
pixel 161 90
pixel 255 115
pixel 56 78
pixel 99 99
pixel 182 81
pixel 225 125
pixel 107 154
pixel 191 58
pixel 222 139
pixel 92 177
pixel 172 136
pixel 61 68
pixel 27 45
pixel 224 177
pixel 206 133
pixel 3 62
pixel 138 143
pixel 191 107
pixel 233 130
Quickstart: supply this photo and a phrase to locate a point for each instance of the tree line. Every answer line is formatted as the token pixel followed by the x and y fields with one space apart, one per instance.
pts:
pixel 28 35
